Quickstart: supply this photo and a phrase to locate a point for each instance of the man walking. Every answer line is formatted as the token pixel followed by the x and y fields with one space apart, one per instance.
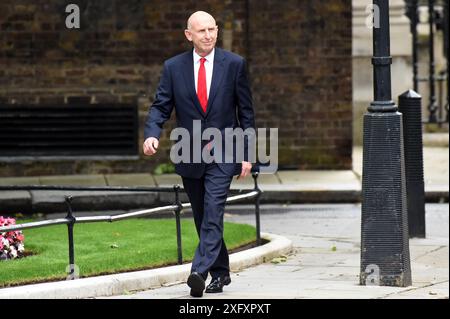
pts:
pixel 208 85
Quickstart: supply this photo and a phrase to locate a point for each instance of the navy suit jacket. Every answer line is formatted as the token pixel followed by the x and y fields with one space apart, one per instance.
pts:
pixel 229 103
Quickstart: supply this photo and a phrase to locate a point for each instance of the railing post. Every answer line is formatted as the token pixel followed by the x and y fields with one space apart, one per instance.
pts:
pixel 178 222
pixel 70 225
pixel 257 215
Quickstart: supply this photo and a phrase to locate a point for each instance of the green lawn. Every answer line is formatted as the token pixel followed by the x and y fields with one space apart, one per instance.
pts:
pixel 105 248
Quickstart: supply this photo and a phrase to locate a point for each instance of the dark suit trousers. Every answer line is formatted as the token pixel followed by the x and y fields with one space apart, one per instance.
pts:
pixel 207 195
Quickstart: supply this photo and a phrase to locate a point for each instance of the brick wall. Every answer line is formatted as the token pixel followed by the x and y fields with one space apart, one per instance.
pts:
pixel 301 68
pixel 299 55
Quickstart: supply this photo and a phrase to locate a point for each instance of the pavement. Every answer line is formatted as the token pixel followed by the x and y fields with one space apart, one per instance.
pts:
pixel 287 186
pixel 325 259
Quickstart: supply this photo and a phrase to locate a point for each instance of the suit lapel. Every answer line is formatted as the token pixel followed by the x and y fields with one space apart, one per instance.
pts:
pixel 217 76
pixel 189 79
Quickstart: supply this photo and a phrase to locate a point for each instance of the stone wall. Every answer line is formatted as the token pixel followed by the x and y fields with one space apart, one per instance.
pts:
pixel 299 55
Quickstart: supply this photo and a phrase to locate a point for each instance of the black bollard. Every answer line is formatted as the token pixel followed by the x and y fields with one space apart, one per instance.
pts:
pixel 385 257
pixel 410 105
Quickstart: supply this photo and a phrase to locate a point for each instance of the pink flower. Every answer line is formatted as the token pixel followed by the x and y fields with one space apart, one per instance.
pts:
pixel 13 252
pixel 5 242
pixel 11 243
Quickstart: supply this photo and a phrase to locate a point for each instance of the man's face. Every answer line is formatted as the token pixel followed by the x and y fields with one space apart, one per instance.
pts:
pixel 203 34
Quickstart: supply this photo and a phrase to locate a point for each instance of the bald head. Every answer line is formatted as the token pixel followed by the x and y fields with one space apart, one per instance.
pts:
pixel 202 32
pixel 200 17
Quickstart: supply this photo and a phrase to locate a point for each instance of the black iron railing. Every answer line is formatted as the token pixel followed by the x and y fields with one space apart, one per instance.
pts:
pixel 177 208
pixel 437 21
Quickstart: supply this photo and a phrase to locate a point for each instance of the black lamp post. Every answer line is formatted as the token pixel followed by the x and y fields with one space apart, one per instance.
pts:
pixel 385 256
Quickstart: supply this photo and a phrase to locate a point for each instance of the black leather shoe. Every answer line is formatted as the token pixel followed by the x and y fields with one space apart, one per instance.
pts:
pixel 216 284
pixel 197 284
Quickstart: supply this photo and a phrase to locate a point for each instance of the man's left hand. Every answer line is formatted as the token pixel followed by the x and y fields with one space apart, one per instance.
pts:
pixel 246 169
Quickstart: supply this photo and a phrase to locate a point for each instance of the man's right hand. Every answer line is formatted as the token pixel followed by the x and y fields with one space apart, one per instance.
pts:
pixel 150 145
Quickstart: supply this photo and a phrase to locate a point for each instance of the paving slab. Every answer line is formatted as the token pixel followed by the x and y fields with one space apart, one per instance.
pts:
pixel 436 291
pixel 169 180
pixel 15 201
pixel 73 180
pixel 436 169
pixel 312 187
pixel 435 140
pixel 130 180
pixel 316 180
pixel 52 202
pixel 6 181
pixel 265 182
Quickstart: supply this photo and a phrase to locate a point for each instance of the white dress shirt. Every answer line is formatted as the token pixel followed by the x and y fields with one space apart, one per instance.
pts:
pixel 209 64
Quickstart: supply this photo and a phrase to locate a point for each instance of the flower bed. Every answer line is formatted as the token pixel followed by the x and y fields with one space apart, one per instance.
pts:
pixel 11 243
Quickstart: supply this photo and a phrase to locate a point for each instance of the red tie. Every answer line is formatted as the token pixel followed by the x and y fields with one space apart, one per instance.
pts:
pixel 201 85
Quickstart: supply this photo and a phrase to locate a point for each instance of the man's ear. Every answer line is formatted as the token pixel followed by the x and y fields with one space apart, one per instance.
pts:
pixel 188 34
